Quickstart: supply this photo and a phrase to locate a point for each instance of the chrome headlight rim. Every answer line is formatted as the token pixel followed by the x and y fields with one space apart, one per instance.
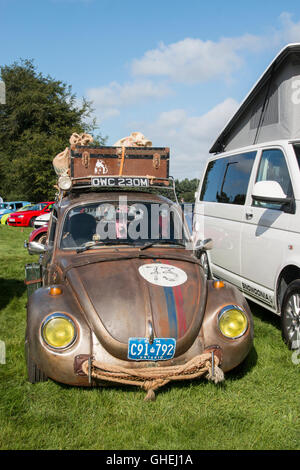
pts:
pixel 225 310
pixel 64 182
pixel 66 317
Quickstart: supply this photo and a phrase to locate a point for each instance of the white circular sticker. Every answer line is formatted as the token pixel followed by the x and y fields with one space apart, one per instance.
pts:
pixel 163 274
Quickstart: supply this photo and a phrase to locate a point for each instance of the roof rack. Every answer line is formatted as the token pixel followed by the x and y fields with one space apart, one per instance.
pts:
pixel 67 184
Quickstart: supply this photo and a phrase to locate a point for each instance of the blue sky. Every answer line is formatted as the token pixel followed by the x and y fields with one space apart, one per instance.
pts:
pixel 174 70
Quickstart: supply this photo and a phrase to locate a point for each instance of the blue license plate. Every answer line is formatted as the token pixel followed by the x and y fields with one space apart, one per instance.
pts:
pixel 140 349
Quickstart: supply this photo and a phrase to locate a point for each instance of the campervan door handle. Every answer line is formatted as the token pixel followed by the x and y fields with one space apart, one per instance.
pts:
pixel 249 216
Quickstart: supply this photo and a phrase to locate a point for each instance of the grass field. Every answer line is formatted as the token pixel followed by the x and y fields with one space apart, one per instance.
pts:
pixel 258 406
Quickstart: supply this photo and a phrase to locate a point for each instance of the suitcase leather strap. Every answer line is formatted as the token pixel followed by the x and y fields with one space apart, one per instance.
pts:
pixel 122 161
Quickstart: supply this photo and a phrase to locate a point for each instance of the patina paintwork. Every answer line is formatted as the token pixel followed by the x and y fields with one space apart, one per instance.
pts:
pixel 109 302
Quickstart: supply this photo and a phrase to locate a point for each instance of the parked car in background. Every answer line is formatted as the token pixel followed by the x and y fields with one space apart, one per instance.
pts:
pixel 12 206
pixel 5 217
pixel 27 218
pixel 42 220
pixel 3 207
pixel 38 235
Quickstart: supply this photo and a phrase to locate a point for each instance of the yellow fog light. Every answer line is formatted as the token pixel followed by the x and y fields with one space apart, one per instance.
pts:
pixel 233 322
pixel 58 331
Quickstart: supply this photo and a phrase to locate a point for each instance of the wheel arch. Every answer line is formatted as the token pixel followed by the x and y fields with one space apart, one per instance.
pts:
pixel 287 275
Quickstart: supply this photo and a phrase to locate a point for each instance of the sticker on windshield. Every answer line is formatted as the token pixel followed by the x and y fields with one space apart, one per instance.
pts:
pixel 163 274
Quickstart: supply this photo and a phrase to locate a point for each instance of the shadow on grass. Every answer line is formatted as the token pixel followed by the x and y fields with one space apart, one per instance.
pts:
pixel 266 316
pixel 10 288
pixel 244 368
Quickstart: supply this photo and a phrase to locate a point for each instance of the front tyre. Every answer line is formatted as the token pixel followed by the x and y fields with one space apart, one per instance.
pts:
pixel 35 375
pixel 290 315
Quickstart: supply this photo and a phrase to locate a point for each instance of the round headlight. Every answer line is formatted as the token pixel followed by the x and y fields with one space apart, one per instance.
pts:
pixel 58 331
pixel 64 182
pixel 233 322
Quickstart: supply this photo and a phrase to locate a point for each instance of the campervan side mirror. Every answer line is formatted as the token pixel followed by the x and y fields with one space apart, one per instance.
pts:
pixel 269 191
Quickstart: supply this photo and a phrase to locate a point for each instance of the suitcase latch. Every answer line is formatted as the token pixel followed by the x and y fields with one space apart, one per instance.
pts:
pixel 85 159
pixel 156 161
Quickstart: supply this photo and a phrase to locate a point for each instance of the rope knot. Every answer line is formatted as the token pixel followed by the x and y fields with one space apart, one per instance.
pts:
pixel 152 378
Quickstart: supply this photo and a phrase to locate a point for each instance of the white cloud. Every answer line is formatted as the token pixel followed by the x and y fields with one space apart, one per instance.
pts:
pixel 109 99
pixel 194 60
pixel 189 137
pixel 188 61
pixel 290 31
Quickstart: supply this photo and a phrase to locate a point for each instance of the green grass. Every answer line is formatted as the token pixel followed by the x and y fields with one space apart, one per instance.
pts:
pixel 257 407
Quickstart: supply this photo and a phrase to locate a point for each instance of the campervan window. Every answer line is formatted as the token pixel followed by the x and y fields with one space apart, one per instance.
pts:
pixel 297 153
pixel 226 179
pixel 273 167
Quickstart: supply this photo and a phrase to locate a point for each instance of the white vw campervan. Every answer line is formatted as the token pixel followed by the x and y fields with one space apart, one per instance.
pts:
pixel 248 199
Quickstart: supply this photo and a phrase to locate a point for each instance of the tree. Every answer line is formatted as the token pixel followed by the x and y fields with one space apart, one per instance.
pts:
pixel 186 188
pixel 35 124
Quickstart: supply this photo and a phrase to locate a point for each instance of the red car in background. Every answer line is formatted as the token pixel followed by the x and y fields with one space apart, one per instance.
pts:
pixel 39 235
pixel 26 218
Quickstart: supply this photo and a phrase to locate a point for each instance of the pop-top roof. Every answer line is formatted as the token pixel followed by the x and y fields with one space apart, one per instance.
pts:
pixel 271 111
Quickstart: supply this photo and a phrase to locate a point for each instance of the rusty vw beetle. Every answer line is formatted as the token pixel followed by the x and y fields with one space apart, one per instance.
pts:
pixel 118 287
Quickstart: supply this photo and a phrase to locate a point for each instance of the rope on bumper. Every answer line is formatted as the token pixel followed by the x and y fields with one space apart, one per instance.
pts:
pixel 152 378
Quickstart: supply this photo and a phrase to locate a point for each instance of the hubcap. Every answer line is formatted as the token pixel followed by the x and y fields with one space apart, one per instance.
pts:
pixel 292 318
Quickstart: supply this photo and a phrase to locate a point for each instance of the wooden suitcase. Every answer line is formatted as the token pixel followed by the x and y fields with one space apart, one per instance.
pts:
pixel 119 161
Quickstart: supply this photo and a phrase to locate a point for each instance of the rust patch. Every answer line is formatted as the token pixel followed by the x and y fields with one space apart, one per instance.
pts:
pixel 217 351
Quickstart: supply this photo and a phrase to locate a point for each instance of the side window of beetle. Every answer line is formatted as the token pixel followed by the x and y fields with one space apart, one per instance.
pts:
pixel 273 167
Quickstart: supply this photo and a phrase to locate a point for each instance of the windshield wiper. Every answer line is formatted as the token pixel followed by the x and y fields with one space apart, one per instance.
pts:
pixel 81 249
pixel 160 242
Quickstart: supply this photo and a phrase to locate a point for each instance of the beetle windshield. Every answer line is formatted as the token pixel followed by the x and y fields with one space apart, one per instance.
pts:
pixel 4 205
pixel 115 222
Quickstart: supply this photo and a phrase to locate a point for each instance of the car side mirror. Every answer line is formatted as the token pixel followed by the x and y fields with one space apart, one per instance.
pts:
pixel 269 191
pixel 204 245
pixel 35 248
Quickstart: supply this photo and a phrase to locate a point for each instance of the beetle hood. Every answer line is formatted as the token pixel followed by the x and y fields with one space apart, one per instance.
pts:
pixel 120 297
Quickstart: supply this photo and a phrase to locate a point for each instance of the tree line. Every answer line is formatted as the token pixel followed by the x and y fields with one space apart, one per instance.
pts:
pixel 36 122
